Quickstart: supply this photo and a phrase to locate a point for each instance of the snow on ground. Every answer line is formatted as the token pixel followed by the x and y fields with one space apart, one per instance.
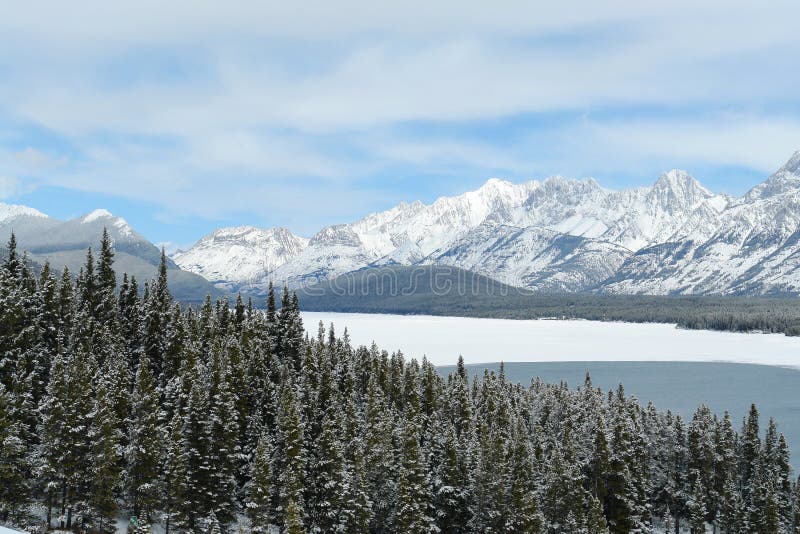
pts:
pixel 442 339
pixel 6 530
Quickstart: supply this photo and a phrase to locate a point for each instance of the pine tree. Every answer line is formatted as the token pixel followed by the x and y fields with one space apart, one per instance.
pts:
pixel 356 512
pixel 414 497
pixel 222 431
pixel 156 317
pixel 596 521
pixel 106 284
pixel 453 496
pixel 67 449
pixel 524 516
pixel 751 448
pixel 294 519
pixel 696 506
pixel 381 471
pixel 783 485
pixel 106 461
pixel 259 493
pixel 144 453
pixel 290 456
pixel 796 513
pixel 327 481
pixel 14 489
pixel 196 444
pixel 174 475
pixel 290 330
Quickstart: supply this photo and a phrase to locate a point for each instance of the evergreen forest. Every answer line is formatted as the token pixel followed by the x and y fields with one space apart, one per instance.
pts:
pixel 122 409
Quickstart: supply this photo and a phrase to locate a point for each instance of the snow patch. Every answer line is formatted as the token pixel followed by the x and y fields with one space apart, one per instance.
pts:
pixel 95 215
pixel 12 211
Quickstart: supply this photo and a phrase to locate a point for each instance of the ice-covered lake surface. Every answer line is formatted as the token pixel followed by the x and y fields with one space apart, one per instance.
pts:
pixel 676 369
pixel 442 339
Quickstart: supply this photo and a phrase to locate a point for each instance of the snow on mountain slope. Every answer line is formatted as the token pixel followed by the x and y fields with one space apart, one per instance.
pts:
pixel 240 255
pixel 752 248
pixel 560 234
pixel 9 212
pixel 534 257
pixel 416 233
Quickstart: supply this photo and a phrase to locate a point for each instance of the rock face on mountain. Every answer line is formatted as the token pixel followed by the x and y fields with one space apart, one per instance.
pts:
pixel 557 235
pixel 64 243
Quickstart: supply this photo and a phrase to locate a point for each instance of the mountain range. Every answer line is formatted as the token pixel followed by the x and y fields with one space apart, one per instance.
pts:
pixel 675 237
pixel 556 235
pixel 65 243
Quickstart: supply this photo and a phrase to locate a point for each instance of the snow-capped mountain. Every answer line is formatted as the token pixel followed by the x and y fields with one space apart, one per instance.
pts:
pixel 11 212
pixel 752 247
pixel 241 255
pixel 520 233
pixel 557 235
pixel 64 243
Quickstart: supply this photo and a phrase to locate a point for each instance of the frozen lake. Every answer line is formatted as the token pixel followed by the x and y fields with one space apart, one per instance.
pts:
pixel 442 339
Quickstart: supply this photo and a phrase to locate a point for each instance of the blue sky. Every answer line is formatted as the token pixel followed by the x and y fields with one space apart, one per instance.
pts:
pixel 189 116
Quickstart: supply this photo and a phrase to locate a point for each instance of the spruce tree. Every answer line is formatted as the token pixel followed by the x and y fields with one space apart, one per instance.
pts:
pixel 327 483
pixel 106 460
pixel 222 432
pixel 524 515
pixel 259 491
pixel 414 499
pixel 144 452
pixel 14 488
pixel 696 506
pixel 289 462
pixel 293 524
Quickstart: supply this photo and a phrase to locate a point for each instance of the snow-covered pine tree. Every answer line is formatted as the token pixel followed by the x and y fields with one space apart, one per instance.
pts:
pixel 14 486
pixel 144 452
pixel 259 490
pixel 174 476
pixel 195 452
pixel 290 457
pixel 157 308
pixel 523 515
pixel 414 498
pixel 453 487
pixel 326 482
pixel 293 524
pixel 106 461
pixel 356 505
pixel 381 471
pixel 696 507
pixel 223 433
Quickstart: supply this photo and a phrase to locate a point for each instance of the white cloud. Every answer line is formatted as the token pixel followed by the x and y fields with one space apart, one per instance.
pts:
pixel 275 107
pixel 756 142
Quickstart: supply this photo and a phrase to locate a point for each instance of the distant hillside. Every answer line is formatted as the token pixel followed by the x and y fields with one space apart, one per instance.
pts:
pixel 411 290
pixel 64 243
pixel 451 291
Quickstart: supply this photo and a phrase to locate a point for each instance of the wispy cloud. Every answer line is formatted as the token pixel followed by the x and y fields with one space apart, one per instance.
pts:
pixel 260 107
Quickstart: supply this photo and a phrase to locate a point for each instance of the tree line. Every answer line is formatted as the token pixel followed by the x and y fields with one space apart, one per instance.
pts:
pixel 117 402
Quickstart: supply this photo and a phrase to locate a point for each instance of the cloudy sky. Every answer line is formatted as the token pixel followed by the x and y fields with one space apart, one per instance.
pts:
pixel 184 116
